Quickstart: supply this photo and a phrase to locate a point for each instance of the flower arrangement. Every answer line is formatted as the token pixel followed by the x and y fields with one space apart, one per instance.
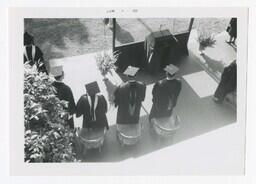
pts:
pixel 106 61
pixel 205 39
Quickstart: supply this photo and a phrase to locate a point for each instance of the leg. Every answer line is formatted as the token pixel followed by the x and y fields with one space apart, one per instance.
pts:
pixel 230 40
pixel 234 40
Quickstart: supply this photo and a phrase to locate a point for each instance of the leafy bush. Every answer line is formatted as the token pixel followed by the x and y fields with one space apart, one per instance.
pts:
pixel 106 61
pixel 48 137
pixel 205 39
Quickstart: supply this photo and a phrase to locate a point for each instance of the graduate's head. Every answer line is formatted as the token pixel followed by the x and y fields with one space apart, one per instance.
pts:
pixel 57 72
pixel 92 88
pixel 59 77
pixel 28 39
pixel 168 75
pixel 171 70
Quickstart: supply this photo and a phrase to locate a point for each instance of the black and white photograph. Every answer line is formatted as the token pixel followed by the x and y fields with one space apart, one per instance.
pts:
pixel 131 92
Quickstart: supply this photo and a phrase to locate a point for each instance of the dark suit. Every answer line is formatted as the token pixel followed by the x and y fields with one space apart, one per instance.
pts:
pixel 228 82
pixel 64 92
pixel 94 115
pixel 165 94
pixel 36 58
pixel 128 98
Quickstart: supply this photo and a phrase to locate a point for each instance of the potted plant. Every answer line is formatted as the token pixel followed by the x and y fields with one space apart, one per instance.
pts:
pixel 105 62
pixel 205 39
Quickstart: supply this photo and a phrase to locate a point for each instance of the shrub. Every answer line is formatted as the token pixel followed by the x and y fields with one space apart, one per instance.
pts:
pixel 48 137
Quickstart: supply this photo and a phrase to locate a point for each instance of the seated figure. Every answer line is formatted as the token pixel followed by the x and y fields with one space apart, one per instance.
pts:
pixel 64 92
pixel 165 94
pixel 128 99
pixel 93 107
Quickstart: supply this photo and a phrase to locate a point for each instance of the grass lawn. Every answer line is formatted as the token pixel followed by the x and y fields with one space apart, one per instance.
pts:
pixel 69 37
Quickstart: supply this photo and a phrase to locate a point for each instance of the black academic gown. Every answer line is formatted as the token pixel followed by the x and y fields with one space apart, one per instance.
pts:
pixel 233 27
pixel 36 58
pixel 165 94
pixel 228 82
pixel 64 92
pixel 93 111
pixel 128 100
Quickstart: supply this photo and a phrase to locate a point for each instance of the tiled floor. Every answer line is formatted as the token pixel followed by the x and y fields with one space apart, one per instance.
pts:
pixel 206 87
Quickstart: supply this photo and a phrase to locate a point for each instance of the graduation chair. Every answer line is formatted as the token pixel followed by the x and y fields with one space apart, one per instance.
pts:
pixel 91 138
pixel 128 134
pixel 167 126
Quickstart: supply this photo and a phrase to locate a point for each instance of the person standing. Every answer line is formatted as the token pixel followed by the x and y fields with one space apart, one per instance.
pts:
pixel 93 107
pixel 227 83
pixel 165 94
pixel 128 99
pixel 64 92
pixel 232 30
pixel 33 54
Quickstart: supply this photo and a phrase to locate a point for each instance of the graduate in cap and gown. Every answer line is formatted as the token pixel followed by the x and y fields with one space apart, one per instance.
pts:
pixel 165 94
pixel 93 107
pixel 128 99
pixel 33 54
pixel 228 82
pixel 64 92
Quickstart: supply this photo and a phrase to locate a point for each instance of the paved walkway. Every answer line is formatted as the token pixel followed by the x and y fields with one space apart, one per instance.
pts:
pixel 198 115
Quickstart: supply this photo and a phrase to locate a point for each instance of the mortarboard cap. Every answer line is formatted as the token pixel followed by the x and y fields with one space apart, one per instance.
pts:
pixel 131 71
pixel 92 88
pixel 57 71
pixel 171 69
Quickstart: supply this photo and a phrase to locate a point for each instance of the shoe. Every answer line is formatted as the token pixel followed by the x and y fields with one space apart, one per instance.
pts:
pixel 229 42
pixel 233 43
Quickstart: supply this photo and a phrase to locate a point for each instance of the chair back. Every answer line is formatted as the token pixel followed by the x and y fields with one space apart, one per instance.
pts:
pixel 92 138
pixel 128 134
pixel 166 126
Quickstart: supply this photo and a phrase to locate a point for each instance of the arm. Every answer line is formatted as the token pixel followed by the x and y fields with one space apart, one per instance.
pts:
pixel 177 92
pixel 80 107
pixel 154 92
pixel 143 92
pixel 72 105
pixel 104 104
pixel 116 96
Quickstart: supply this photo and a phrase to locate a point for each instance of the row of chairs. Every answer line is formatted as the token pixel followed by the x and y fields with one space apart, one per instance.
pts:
pixel 127 134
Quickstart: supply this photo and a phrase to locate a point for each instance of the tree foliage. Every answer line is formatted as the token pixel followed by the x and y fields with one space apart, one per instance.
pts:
pixel 48 137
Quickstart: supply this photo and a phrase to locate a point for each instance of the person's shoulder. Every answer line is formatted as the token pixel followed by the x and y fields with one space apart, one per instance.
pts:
pixel 37 48
pixel 158 83
pixel 84 97
pixel 67 86
pixel 141 84
pixel 162 82
pixel 122 85
pixel 100 95
pixel 178 80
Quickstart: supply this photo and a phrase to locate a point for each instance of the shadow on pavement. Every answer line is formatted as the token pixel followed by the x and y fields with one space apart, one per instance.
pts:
pixel 122 35
pixel 55 32
pixel 215 65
